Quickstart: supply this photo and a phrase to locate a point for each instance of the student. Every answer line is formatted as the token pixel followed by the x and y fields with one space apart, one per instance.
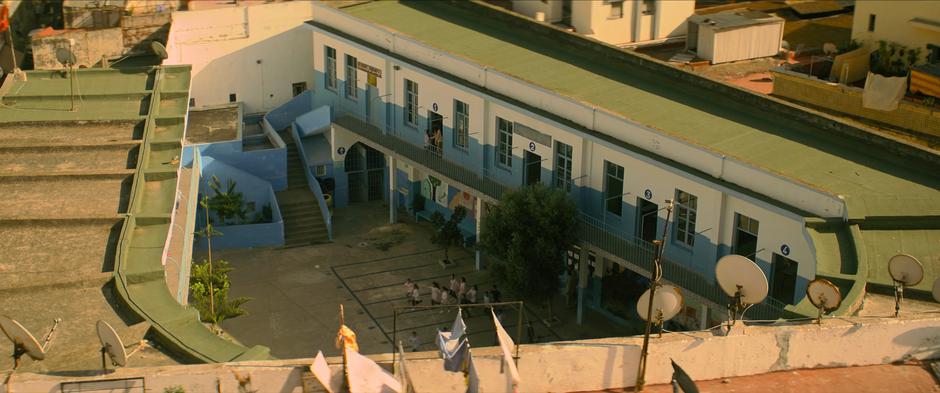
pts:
pixel 487 297
pixel 435 294
pixel 415 296
pixel 462 288
pixel 471 296
pixel 409 285
pixel 413 341
pixel 453 282
pixel 496 294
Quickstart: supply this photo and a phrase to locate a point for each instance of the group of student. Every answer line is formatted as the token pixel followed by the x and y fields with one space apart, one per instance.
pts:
pixel 457 292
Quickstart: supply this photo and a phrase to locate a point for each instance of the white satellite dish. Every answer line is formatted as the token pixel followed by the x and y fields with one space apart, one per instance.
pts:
pixel 667 303
pixel 111 345
pixel 824 295
pixel 159 50
pixel 936 290
pixel 742 280
pixel 906 271
pixel 65 56
pixel 23 341
pixel 830 48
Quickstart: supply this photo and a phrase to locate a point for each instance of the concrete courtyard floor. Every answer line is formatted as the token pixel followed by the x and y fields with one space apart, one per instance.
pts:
pixel 297 291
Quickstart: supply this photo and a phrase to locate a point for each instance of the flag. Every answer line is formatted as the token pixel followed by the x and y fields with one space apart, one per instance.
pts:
pixel 402 372
pixel 346 339
pixel 331 380
pixel 473 379
pixel 506 344
pixel 367 377
pixel 4 18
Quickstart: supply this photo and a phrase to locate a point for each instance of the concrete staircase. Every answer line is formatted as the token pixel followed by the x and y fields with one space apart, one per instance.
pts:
pixel 303 223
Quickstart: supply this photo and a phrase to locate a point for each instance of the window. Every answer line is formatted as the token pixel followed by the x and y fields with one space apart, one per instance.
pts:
pixel 192 102
pixel 411 103
pixel 933 57
pixel 745 236
pixel 562 166
pixel 616 9
pixel 871 22
pixel 330 68
pixel 686 205
pixel 320 170
pixel 648 7
pixel 613 187
pixel 461 124
pixel 298 88
pixel 352 91
pixel 232 97
pixel 504 143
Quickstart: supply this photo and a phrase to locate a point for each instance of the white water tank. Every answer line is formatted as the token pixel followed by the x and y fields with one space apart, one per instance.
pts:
pixel 540 16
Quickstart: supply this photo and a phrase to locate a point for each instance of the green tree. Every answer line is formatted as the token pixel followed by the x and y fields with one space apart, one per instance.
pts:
pixel 226 203
pixel 210 285
pixel 529 231
pixel 447 231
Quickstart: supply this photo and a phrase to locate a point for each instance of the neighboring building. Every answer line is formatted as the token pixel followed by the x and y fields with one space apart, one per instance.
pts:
pixel 617 22
pixel 229 63
pixel 913 24
pixel 734 35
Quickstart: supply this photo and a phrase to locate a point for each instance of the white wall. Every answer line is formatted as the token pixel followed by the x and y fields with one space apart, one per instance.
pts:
pixel 551 8
pixel 893 23
pixel 745 43
pixel 592 18
pixel 224 46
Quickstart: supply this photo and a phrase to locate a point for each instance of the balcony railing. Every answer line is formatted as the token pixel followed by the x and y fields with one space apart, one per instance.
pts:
pixel 591 230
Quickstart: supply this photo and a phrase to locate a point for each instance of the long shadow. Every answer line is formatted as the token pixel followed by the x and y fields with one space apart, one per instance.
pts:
pixel 686 94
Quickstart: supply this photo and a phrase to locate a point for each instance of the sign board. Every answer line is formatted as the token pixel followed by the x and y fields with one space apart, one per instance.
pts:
pixel 369 69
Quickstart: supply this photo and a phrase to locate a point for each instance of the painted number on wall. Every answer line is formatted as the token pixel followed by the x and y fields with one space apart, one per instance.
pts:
pixel 434 107
pixel 532 146
pixel 648 194
pixel 785 250
pixel 341 150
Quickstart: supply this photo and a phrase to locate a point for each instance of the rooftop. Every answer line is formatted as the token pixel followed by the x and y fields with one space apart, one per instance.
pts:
pixel 731 19
pixel 871 185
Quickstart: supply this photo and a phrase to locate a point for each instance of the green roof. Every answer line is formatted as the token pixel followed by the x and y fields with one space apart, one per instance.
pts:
pixel 871 186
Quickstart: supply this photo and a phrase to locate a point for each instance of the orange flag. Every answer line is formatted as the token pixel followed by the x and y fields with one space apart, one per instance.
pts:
pixel 4 18
pixel 346 339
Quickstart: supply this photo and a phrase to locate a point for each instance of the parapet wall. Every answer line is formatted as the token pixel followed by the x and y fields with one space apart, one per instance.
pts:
pixel 593 364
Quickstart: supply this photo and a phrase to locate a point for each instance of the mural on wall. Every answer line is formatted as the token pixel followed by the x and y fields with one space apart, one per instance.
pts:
pixel 434 189
pixel 463 198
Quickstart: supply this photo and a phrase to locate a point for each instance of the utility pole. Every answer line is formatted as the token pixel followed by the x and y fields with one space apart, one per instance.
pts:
pixel 657 274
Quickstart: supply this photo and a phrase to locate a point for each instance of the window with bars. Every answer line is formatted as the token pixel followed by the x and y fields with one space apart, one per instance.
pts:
pixel 613 188
pixel 330 68
pixel 504 143
pixel 461 124
pixel 686 205
pixel 563 161
pixel 411 103
pixel 352 91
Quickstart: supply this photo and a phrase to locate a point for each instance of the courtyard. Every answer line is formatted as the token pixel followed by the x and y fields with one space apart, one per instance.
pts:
pixel 296 291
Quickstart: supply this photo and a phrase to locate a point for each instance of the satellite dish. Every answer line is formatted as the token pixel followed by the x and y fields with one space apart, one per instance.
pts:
pixel 65 56
pixel 23 342
pixel 158 49
pixel 906 270
pixel 667 302
pixel 111 345
pixel 824 295
pixel 829 48
pixel 936 290
pixel 680 377
pixel 738 276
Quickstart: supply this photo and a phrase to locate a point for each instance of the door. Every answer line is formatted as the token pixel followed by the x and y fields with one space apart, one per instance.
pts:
pixel 435 132
pixel 646 219
pixel 745 236
pixel 783 278
pixel 566 12
pixel 533 168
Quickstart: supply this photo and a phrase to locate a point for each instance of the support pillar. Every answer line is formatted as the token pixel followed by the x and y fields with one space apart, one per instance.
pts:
pixel 479 219
pixel 582 281
pixel 392 190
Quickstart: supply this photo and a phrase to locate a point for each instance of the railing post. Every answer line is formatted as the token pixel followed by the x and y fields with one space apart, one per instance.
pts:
pixel 392 191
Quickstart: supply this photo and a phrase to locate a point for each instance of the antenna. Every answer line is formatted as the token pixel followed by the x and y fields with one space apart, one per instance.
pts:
pixel 824 295
pixel 67 57
pixel 667 302
pixel 742 280
pixel 158 49
pixel 111 345
pixel 906 271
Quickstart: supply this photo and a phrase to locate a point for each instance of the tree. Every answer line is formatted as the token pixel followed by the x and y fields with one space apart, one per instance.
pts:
pixel 226 202
pixel 447 231
pixel 529 231
pixel 210 285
